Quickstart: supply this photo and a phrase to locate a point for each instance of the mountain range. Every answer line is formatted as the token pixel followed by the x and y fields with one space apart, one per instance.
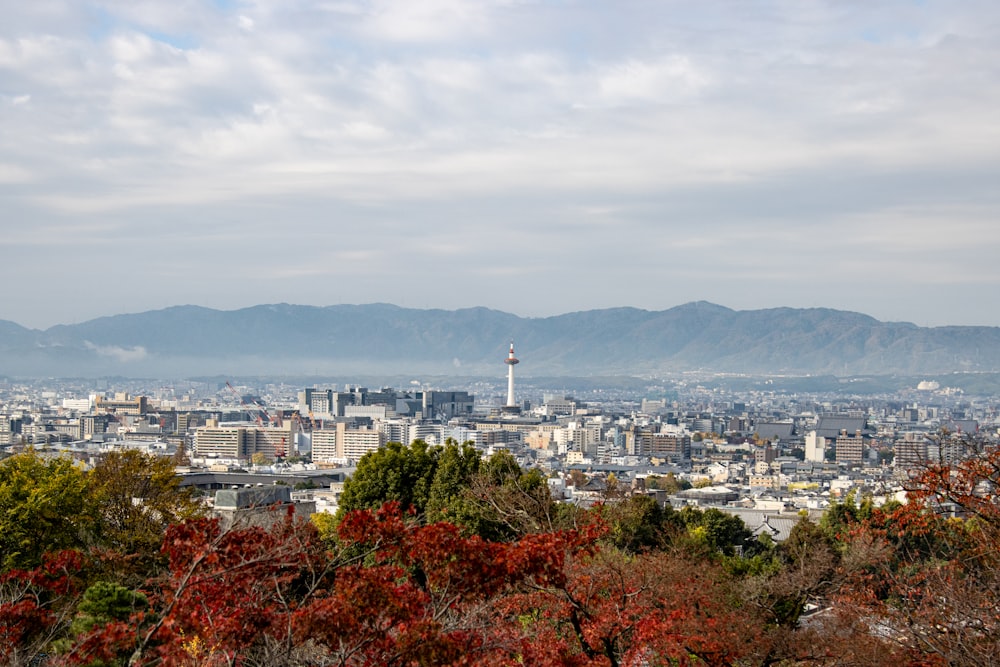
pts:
pixel 284 339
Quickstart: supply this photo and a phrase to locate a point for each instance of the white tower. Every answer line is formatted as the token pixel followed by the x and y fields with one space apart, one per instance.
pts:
pixel 511 361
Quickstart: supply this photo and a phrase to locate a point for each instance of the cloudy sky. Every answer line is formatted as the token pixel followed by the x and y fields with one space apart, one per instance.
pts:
pixel 537 157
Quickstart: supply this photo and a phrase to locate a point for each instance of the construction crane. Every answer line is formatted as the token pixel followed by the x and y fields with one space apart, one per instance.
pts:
pixel 254 410
pixel 300 423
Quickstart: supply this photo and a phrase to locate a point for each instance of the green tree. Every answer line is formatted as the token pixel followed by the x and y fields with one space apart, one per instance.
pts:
pixel 448 499
pixel 715 531
pixel 395 472
pixel 44 507
pixel 668 483
pixel 137 496
pixel 510 502
pixel 104 602
pixel 494 499
pixel 840 516
pixel 326 526
pixel 806 567
pixel 636 524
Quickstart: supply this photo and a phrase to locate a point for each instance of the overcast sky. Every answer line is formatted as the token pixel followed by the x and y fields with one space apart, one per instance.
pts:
pixel 534 157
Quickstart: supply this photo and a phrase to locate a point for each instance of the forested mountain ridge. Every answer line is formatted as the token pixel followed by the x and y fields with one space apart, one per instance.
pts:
pixel 288 339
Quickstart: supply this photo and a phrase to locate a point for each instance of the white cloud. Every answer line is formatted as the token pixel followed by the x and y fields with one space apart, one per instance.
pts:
pixel 123 71
pixel 13 174
pixel 122 355
pixel 428 20
pixel 365 131
pixel 669 79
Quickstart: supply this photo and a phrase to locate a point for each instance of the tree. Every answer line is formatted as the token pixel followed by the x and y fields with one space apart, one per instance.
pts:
pixel 494 499
pixel 800 570
pixel 394 473
pixel 639 524
pixel 610 609
pixel 180 457
pixel 427 597
pixel 106 602
pixel 226 597
pixel 448 498
pixel 841 517
pixel 614 489
pixel 36 606
pixel 509 502
pixel 326 527
pixel 393 591
pixel 137 497
pixel 577 478
pixel 44 507
pixel 715 531
pixel 930 582
pixel 668 483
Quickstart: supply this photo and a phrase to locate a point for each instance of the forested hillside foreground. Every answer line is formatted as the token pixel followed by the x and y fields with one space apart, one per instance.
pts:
pixel 440 558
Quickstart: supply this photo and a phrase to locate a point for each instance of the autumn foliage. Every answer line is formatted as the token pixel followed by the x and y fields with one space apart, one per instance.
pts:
pixel 33 604
pixel 927 573
pixel 623 585
pixel 395 591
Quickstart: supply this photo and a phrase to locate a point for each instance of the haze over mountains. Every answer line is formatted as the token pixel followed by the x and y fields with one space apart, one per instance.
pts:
pixel 288 339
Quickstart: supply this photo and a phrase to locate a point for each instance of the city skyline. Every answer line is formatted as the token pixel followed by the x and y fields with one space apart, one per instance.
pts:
pixel 534 158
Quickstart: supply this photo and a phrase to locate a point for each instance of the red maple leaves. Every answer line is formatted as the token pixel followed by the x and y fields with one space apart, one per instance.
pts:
pixel 395 592
pixel 32 603
pixel 390 590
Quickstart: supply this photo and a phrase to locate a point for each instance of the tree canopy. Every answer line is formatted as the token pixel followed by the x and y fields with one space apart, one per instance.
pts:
pixel 137 496
pixel 394 473
pixel 627 582
pixel 44 507
pixel 492 498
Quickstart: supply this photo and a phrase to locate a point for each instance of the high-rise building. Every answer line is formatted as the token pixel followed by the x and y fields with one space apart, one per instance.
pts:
pixel 242 442
pixel 273 442
pixel 429 432
pixel 446 404
pixel 327 402
pixel 230 442
pixel 121 404
pixel 324 446
pixel 849 448
pixel 341 443
pixel 911 451
pixel 675 447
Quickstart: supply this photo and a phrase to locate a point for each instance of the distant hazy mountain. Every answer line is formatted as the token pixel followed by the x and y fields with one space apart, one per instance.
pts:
pixel 378 338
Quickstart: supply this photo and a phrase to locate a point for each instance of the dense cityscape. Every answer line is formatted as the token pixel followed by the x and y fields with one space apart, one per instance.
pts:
pixel 759 454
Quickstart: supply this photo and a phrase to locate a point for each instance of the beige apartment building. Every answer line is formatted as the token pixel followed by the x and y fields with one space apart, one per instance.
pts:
pixel 338 444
